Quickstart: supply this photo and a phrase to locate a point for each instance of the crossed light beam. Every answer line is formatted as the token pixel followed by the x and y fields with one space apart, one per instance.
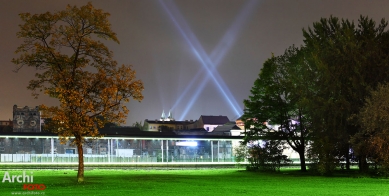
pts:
pixel 211 62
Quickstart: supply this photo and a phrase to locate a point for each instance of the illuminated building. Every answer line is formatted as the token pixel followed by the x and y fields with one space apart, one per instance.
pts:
pixel 209 123
pixel 125 145
pixel 208 140
pixel 176 142
pixel 206 122
pixel 26 119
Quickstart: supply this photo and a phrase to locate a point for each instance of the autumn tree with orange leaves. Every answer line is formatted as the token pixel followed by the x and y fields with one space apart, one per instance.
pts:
pixel 373 140
pixel 75 67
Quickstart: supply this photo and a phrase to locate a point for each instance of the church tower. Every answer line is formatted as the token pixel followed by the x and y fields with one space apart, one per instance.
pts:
pixel 162 116
pixel 168 118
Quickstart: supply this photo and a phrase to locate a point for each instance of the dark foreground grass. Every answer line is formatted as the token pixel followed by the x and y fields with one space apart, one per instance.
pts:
pixel 194 182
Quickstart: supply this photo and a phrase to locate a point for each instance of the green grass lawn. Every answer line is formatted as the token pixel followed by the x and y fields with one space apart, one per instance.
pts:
pixel 194 182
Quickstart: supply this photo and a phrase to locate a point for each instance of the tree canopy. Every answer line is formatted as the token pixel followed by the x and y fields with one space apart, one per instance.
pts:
pixel 373 139
pixel 74 66
pixel 276 99
pixel 322 86
pixel 347 59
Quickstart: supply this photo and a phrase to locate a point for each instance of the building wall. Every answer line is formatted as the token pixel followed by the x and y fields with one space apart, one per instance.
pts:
pixel 210 128
pixel 154 126
pixel 5 122
pixel 240 124
pixel 26 119
pixel 49 149
pixel 6 126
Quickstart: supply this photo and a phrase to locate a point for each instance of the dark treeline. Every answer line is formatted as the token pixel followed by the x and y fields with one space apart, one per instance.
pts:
pixel 327 96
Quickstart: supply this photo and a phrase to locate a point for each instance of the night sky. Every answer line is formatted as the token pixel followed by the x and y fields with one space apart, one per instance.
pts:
pixel 184 51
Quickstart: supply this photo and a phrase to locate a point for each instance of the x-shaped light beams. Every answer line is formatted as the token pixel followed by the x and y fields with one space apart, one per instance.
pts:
pixel 211 62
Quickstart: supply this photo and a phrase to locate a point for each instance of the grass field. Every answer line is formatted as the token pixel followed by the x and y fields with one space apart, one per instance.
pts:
pixel 194 182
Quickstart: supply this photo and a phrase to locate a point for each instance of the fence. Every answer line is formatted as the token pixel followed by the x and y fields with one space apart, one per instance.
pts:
pixel 73 158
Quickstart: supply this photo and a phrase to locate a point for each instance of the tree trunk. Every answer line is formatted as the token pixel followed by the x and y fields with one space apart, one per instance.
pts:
pixel 302 161
pixel 348 158
pixel 80 174
pixel 301 148
pixel 363 166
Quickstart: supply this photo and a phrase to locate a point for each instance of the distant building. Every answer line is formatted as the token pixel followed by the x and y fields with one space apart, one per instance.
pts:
pixel 171 125
pixel 227 130
pixel 240 123
pixel 206 125
pixel 209 123
pixel 26 119
pixel 6 126
pixel 167 124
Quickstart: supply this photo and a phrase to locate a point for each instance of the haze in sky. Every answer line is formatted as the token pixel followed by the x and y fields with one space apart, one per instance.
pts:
pixel 195 57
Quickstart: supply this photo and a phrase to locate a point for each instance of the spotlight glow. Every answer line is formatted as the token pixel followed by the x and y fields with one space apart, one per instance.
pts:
pixel 186 143
pixel 209 63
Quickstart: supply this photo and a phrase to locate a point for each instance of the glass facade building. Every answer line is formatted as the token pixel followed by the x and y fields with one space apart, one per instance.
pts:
pixel 152 148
